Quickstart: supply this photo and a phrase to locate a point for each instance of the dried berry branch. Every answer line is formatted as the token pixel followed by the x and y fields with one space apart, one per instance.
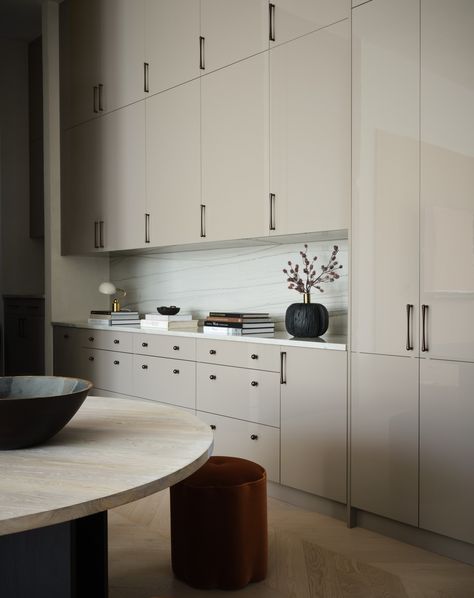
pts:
pixel 328 272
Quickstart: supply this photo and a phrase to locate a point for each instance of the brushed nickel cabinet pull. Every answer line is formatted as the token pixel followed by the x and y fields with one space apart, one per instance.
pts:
pixel 271 9
pixel 147 228
pixel 202 59
pixel 272 212
pixel 96 235
pixel 409 345
pixel 101 234
pixel 283 367
pixel 95 95
pixel 146 77
pixel 203 220
pixel 424 334
pixel 101 103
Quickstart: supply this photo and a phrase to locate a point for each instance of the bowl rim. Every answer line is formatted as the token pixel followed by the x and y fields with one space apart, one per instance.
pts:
pixel 88 387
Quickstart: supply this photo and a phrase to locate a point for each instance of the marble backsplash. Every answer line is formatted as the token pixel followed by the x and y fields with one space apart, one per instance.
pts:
pixel 231 279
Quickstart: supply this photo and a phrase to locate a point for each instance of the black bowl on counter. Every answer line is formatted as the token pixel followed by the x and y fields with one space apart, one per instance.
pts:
pixel 35 408
pixel 172 310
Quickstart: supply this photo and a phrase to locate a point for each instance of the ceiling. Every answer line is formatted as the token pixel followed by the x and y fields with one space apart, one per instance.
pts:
pixel 20 19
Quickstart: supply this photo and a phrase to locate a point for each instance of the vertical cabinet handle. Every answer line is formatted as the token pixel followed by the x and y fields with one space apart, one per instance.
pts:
pixel 283 367
pixel 424 334
pixel 146 77
pixel 101 234
pixel 271 9
pixel 272 212
pixel 409 345
pixel 101 103
pixel 203 220
pixel 95 96
pixel 96 235
pixel 202 59
pixel 147 228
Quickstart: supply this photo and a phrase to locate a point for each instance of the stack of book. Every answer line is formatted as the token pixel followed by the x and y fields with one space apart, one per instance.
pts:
pixel 239 323
pixel 114 318
pixel 176 322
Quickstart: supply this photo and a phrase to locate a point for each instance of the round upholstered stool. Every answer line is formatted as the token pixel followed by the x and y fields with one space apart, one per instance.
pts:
pixel 219 535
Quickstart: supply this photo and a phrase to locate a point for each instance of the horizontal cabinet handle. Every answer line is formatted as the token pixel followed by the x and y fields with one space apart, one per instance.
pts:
pixel 175 371
pixel 144 344
pixel 213 427
pixel 254 383
pixel 116 341
pixel 254 437
pixel 144 366
pixel 116 362
pixel 212 377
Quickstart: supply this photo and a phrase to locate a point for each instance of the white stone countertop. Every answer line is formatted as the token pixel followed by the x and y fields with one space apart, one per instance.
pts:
pixel 333 342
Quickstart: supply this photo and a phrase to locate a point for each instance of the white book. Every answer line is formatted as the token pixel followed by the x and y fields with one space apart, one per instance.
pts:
pixel 161 318
pixel 154 325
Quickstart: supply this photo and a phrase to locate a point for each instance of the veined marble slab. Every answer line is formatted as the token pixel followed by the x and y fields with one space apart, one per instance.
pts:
pixel 233 279
pixel 111 453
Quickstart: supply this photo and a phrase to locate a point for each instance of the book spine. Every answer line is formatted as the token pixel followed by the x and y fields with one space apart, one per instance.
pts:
pixel 224 314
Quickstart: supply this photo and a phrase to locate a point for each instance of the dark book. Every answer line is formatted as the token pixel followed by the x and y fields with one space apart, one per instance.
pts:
pixel 238 320
pixel 114 314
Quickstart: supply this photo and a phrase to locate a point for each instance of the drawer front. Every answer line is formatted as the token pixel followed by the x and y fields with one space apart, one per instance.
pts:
pixel 165 380
pixel 66 352
pixel 239 354
pixel 164 345
pixel 112 340
pixel 109 370
pixel 235 438
pixel 252 395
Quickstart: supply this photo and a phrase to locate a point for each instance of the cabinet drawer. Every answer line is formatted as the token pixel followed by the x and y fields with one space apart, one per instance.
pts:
pixel 164 380
pixel 247 440
pixel 246 394
pixel 165 346
pixel 112 340
pixel 109 370
pixel 239 354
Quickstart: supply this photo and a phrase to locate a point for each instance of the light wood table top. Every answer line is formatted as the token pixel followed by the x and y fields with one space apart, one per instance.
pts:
pixel 112 452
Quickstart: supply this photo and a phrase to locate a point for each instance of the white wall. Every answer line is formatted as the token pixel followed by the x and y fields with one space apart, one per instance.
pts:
pixel 244 278
pixel 22 258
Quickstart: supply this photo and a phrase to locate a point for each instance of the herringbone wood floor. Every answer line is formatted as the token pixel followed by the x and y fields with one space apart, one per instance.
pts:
pixel 311 556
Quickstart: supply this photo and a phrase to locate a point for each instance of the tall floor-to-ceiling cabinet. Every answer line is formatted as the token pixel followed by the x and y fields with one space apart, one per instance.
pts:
pixel 413 263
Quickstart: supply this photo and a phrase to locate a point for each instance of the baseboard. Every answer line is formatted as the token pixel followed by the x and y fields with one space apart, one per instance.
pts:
pixel 307 501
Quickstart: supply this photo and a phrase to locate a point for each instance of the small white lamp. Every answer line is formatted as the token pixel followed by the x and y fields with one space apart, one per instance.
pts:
pixel 108 288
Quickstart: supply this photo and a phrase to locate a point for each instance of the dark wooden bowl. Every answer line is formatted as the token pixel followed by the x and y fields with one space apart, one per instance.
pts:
pixel 35 408
pixel 172 310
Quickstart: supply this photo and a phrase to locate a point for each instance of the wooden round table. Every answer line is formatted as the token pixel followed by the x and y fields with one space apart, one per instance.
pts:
pixel 54 498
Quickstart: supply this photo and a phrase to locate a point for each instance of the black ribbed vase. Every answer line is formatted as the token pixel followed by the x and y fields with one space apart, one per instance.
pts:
pixel 307 319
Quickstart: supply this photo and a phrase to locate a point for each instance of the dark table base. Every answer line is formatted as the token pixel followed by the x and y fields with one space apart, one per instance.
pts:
pixel 67 560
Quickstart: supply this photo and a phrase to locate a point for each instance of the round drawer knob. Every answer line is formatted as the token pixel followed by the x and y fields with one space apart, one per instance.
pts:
pixel 254 437
pixel 212 352
pixel 91 339
pixel 66 336
pixel 116 341
pixel 144 366
pixel 212 377
pixel 144 344
pixel 116 362
pixel 213 427
pixel 175 371
pixel 254 356
pixel 91 358
pixel 254 383
pixel 175 348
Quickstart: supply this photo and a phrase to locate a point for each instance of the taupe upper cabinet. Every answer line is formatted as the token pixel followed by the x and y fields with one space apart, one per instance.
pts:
pixel 289 19
pixel 310 133
pixel 231 30
pixel 172 29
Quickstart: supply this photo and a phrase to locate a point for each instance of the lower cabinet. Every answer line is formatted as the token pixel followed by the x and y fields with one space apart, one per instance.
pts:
pixel 109 370
pixel 66 348
pixel 447 448
pixel 314 422
pixel 384 436
pixel 237 438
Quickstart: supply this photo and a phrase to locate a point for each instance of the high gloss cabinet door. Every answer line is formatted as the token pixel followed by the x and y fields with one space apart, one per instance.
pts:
pixel 447 448
pixel 290 19
pixel 234 121
pixel 447 178
pixel 171 42
pixel 173 155
pixel 313 422
pixel 385 185
pixel 310 133
pixel 232 31
pixel 384 436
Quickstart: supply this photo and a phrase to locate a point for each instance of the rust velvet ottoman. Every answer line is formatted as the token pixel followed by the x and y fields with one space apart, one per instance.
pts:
pixel 219 536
